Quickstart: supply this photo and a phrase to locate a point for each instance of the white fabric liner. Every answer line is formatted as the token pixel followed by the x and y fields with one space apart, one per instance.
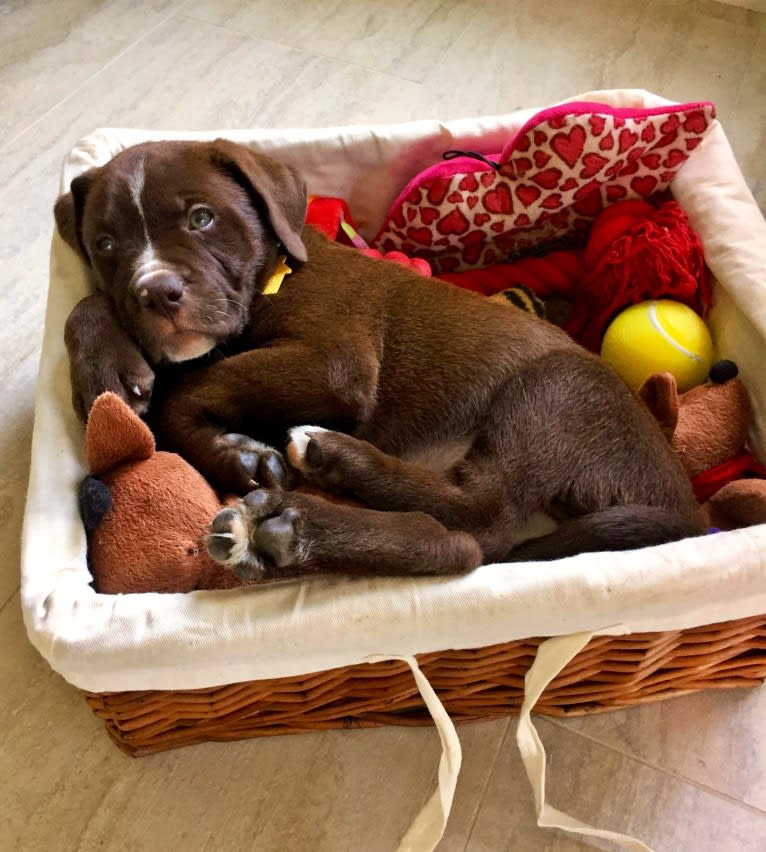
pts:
pixel 110 643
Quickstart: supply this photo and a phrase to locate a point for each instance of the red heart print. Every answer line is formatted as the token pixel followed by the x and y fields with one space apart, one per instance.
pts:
pixel 442 242
pixel 481 219
pixel 497 227
pixel 487 178
pixel 619 122
pixel 569 146
pixel 614 192
pixel 670 124
pixel 468 183
pixel 692 143
pixel 614 169
pixel 527 195
pixel 607 142
pixel 420 235
pixel 522 144
pixel 552 202
pixel 648 133
pixel 548 178
pixel 540 137
pixel 455 197
pixel 668 176
pixel 630 168
pixel 414 195
pixel 522 220
pixel 695 122
pixel 644 186
pixel 651 161
pixel 398 218
pixel 541 159
pixel 523 165
pixel 674 158
pixel 557 121
pixel 593 163
pixel 589 204
pixel 499 200
pixel 474 244
pixel 569 183
pixel 472 201
pixel 438 190
pixel 627 140
pixel 507 171
pixel 412 212
pixel 667 139
pixel 597 124
pixel 429 215
pixel 453 223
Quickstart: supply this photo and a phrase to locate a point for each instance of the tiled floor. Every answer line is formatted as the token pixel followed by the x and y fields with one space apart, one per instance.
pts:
pixel 684 775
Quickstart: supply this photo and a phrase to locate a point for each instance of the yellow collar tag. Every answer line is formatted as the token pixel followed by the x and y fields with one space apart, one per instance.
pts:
pixel 277 276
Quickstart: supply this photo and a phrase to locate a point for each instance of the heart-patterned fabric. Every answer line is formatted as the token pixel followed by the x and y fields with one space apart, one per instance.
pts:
pixel 549 183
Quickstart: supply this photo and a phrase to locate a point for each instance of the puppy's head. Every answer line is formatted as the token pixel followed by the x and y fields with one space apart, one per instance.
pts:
pixel 182 236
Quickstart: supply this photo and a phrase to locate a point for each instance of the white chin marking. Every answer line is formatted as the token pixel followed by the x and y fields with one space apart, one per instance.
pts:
pixel 189 347
pixel 299 440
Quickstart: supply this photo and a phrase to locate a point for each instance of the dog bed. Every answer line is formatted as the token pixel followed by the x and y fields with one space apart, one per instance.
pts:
pixel 169 670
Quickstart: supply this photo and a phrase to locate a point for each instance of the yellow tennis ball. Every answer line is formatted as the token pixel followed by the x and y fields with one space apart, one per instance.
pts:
pixel 659 337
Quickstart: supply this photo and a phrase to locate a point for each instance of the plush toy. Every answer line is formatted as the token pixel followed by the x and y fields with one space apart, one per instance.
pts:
pixel 708 426
pixel 146 512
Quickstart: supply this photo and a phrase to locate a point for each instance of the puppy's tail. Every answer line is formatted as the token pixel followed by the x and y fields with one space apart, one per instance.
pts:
pixel 615 528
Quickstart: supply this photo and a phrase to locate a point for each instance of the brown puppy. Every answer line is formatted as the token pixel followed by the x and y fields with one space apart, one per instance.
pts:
pixel 454 419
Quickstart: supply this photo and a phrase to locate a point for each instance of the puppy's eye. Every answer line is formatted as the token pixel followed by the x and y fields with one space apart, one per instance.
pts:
pixel 106 245
pixel 200 218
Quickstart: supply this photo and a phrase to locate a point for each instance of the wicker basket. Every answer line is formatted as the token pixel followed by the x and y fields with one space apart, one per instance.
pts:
pixel 485 683
pixel 126 643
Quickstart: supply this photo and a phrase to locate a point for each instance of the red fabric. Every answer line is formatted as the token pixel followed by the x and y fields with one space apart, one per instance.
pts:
pixel 557 273
pixel 658 255
pixel 706 484
pixel 326 214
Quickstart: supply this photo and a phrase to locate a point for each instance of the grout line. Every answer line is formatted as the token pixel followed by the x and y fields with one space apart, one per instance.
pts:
pixel 174 13
pixel 12 595
pixel 480 799
pixel 669 772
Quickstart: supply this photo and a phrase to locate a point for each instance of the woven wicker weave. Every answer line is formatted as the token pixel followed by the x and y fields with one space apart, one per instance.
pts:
pixel 485 683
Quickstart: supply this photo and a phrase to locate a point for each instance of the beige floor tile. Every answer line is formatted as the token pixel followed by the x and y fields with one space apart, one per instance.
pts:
pixel 715 738
pixel 610 791
pixel 49 47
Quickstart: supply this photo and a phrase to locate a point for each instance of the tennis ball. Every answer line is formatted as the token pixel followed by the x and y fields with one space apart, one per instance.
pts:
pixel 659 337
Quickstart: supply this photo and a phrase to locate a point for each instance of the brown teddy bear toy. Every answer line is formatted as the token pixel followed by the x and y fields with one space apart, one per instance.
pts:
pixel 146 512
pixel 708 426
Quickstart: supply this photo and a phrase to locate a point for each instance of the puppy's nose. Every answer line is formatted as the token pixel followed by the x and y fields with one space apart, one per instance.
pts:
pixel 161 293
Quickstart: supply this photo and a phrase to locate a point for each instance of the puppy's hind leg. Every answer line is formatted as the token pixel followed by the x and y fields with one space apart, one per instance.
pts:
pixel 278 535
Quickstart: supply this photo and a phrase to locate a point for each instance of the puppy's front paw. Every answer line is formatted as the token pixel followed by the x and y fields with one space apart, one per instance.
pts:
pixel 245 463
pixel 259 538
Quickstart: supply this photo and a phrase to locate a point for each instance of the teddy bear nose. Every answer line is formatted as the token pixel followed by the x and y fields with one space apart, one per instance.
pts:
pixel 161 293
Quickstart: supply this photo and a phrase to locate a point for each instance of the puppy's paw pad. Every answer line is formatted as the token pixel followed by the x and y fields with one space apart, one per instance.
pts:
pixel 299 442
pixel 277 540
pixel 254 461
pixel 227 538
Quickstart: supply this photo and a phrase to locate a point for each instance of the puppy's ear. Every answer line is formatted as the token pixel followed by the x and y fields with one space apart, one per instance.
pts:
pixel 280 188
pixel 68 212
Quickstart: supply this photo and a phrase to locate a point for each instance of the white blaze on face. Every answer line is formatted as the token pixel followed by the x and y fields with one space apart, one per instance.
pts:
pixel 147 263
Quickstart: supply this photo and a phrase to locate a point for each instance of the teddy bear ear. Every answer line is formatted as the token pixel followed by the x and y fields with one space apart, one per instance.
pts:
pixel 114 435
pixel 660 395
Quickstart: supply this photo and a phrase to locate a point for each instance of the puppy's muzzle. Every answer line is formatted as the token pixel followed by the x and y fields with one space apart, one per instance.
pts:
pixel 161 292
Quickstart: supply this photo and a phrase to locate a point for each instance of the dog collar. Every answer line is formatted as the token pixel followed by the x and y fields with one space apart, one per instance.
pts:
pixel 277 277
